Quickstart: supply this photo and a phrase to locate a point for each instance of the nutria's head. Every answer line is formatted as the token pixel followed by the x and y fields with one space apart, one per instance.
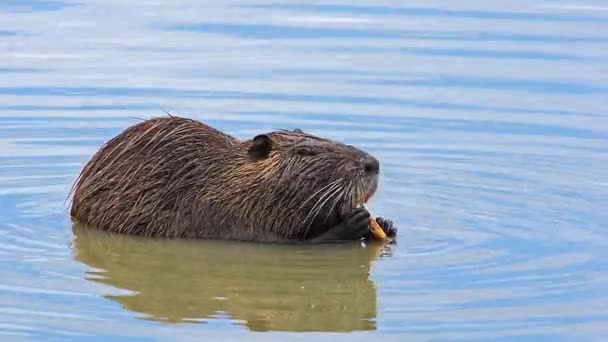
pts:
pixel 308 178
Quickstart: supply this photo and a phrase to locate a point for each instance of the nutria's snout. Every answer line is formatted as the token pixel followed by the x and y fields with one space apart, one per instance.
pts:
pixel 371 166
pixel 370 170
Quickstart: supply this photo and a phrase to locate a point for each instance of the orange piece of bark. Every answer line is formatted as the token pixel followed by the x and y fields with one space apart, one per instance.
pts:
pixel 377 231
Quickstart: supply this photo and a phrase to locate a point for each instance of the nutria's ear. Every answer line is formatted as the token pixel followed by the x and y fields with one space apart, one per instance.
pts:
pixel 261 147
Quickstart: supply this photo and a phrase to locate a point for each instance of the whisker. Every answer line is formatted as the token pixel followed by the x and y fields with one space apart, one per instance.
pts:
pixel 341 196
pixel 318 191
pixel 318 210
pixel 328 192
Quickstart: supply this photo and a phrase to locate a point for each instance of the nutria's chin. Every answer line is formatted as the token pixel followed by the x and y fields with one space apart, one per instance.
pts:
pixel 177 177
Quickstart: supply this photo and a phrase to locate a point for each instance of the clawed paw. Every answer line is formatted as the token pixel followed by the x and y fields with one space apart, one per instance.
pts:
pixel 387 226
pixel 358 223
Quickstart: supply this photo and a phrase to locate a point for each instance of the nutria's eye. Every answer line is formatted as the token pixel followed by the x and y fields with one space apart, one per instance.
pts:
pixel 305 152
pixel 260 147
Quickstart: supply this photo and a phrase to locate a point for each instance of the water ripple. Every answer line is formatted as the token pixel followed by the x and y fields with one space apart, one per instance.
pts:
pixel 489 121
pixel 421 12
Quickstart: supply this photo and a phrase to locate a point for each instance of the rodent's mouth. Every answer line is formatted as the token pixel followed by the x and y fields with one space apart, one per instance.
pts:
pixel 364 199
pixel 370 190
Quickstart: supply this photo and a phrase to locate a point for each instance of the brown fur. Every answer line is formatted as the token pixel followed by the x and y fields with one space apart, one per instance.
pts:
pixel 177 177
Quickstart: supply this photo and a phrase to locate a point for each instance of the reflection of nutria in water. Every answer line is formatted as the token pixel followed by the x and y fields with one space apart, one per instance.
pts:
pixel 267 287
pixel 176 177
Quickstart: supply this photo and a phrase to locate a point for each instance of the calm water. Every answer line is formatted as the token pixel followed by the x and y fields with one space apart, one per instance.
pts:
pixel 490 120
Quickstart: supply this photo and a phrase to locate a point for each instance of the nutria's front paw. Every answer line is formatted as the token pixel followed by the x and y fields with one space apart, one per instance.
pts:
pixel 387 225
pixel 353 226
pixel 356 224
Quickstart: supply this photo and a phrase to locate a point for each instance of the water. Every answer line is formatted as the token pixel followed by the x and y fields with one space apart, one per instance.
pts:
pixel 489 118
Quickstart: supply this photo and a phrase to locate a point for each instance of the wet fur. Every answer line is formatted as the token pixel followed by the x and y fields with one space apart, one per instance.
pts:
pixel 180 178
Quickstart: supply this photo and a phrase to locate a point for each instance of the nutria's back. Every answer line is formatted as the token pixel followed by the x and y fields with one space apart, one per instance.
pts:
pixel 177 177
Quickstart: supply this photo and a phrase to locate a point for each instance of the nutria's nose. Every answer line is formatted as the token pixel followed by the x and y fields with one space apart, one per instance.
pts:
pixel 371 166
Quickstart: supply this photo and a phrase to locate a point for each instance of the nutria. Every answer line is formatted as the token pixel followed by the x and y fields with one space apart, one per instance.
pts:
pixel 176 177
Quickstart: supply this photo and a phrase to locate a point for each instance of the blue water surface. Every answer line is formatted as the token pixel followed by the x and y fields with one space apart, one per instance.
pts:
pixel 490 120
